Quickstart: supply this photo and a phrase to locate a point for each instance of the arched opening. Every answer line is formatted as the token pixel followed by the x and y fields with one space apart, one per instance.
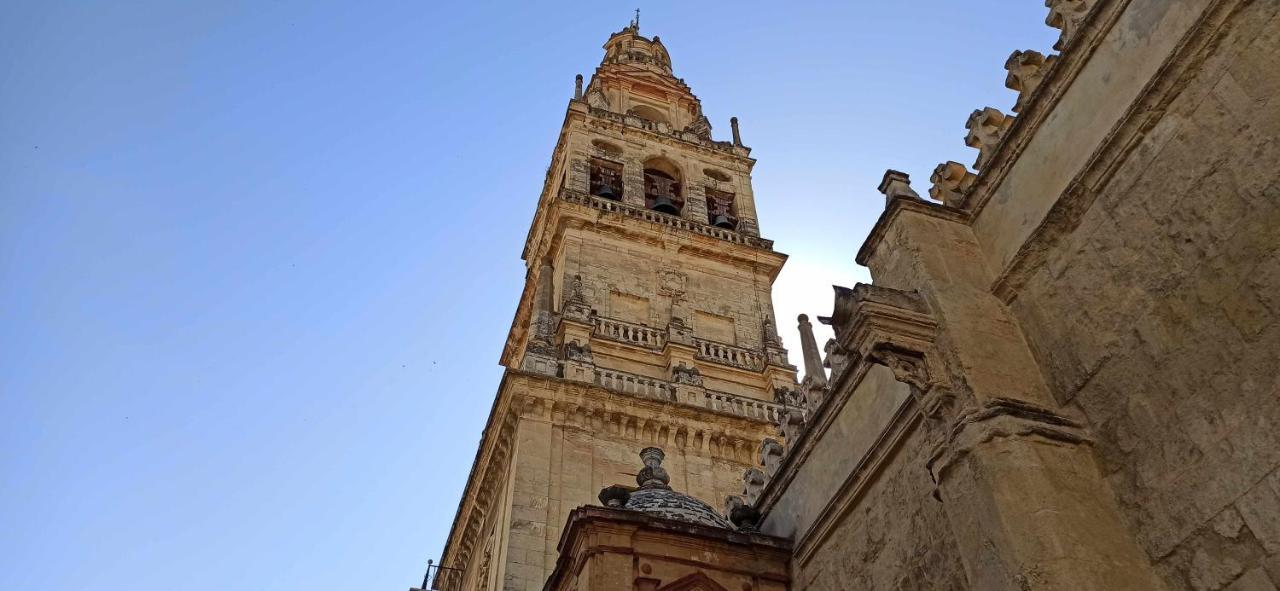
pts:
pixel 662 188
pixel 721 211
pixel 650 113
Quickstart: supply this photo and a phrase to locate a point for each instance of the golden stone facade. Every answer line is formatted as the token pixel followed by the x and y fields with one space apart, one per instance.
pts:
pixel 1063 375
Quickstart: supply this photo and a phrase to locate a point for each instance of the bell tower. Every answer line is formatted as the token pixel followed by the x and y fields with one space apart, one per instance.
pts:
pixel 646 319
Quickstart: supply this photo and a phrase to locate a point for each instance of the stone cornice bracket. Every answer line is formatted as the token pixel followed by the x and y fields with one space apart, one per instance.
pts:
pixel 1067 16
pixel 951 183
pixel 1002 418
pixel 1026 70
pixel 896 329
pixel 987 128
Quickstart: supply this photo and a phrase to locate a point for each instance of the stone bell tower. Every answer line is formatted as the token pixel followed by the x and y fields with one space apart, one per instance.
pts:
pixel 645 320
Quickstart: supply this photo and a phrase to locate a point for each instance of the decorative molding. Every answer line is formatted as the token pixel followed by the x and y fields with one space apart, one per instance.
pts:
pixel 1002 418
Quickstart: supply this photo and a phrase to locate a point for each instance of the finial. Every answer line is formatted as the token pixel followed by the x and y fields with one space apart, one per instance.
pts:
pixel 896 184
pixel 987 127
pixel 737 138
pixel 652 475
pixel 635 24
pixel 577 87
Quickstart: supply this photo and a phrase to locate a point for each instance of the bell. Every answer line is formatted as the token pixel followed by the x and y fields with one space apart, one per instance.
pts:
pixel 664 204
pixel 607 193
pixel 724 221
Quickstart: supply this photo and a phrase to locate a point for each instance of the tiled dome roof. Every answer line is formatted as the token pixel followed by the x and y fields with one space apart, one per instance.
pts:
pixel 670 504
pixel 656 497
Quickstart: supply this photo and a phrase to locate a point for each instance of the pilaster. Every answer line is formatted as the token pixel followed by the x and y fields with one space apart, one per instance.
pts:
pixel 1016 474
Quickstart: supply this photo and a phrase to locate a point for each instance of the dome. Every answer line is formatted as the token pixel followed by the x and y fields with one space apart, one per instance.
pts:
pixel 656 497
pixel 670 504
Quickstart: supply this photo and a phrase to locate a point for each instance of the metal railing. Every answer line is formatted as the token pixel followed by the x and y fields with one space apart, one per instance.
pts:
pixel 442 578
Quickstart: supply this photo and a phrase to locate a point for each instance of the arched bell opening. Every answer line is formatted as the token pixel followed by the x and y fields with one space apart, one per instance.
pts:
pixel 721 211
pixel 606 179
pixel 662 187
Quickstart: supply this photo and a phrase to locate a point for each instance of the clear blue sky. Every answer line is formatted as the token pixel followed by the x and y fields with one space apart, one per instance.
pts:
pixel 258 259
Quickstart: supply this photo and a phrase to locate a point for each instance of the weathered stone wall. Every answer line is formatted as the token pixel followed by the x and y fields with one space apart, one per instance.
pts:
pixel 860 509
pixel 1156 316
pixel 897 537
pixel 566 452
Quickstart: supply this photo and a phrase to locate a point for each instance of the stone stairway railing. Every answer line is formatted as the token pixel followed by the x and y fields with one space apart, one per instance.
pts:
pixel 626 332
pixel 729 355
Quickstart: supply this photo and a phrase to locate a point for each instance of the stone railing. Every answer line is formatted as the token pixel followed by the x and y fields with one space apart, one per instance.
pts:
pixel 629 383
pixel 611 206
pixel 742 406
pixel 729 355
pixel 626 332
pixel 655 389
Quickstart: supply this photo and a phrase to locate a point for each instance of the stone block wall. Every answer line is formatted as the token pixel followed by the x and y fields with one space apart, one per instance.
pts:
pixel 1156 317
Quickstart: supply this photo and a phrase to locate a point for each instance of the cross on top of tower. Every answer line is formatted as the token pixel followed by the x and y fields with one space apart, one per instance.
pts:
pixel 635 24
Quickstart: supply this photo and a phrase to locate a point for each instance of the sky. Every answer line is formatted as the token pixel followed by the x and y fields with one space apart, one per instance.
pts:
pixel 258 259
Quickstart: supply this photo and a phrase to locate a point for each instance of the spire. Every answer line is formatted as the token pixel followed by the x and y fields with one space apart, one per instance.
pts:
pixel 809 348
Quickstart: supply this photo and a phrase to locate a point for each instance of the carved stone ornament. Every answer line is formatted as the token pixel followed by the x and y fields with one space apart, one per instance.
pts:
pixel 1067 16
pixel 771 337
pixel 575 351
pixel 753 482
pixel 596 99
pixel 700 128
pixel 745 517
pixel 1026 71
pixel 671 282
pixel 951 182
pixel 908 367
pixel 614 496
pixel 684 374
pixel 771 452
pixel 987 127
pixel 788 397
pixel 791 425
pixel 837 359
pixel 653 475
